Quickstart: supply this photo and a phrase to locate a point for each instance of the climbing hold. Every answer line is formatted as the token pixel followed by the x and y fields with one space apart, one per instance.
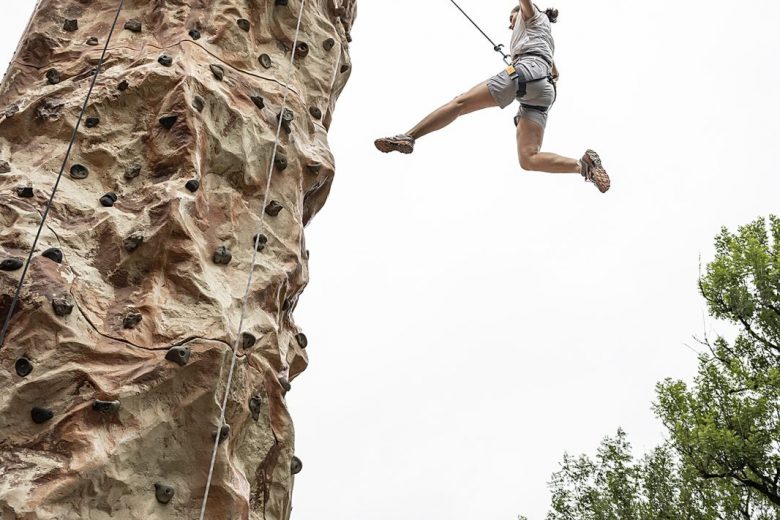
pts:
pixel 260 240
pixel 328 44
pixel 179 355
pixel 133 242
pixel 123 85
pixel 218 72
pixel 285 383
pixel 223 433
pixel 62 306
pixel 281 2
pixel 54 254
pixel 248 340
pixel 92 122
pixel 108 199
pixel 194 34
pixel 198 103
pixel 79 171
pixel 105 406
pixel 133 25
pixel 192 185
pixel 23 367
pixel 349 37
pixel 302 340
pixel 314 168
pixel 132 319
pixel 280 162
pixel 132 171
pixel 92 41
pixel 265 60
pixel 344 68
pixel 5 167
pixel 70 25
pixel 163 492
pixel 12 110
pixel 168 121
pixel 296 465
pixel 53 76
pixel 315 112
pixel 255 406
pixel 258 101
pixel 165 60
pixel 243 23
pixel 41 415
pixel 301 50
pixel 273 209
pixel 11 264
pixel 26 192
pixel 222 256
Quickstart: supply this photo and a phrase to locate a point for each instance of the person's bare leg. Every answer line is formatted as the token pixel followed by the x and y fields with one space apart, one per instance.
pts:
pixel 529 144
pixel 477 98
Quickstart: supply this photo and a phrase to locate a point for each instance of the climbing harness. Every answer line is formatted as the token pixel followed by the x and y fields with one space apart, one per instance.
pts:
pixel 499 48
pixel 73 136
pixel 218 436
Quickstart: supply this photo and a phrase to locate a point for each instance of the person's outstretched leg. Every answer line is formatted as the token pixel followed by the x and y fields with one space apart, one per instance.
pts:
pixel 477 98
pixel 529 144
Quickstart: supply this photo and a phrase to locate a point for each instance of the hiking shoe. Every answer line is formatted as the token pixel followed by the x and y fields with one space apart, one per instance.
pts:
pixel 594 172
pixel 401 143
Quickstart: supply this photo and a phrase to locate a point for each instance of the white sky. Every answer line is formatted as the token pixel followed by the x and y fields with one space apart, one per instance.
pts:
pixel 470 322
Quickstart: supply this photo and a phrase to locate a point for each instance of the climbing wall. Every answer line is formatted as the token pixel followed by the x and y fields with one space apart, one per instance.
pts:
pixel 116 359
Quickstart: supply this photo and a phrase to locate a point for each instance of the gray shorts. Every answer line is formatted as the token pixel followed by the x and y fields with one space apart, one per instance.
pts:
pixel 539 95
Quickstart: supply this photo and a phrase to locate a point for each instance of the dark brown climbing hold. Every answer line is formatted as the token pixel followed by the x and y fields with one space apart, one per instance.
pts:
pixel 53 76
pixel 23 367
pixel 54 254
pixel 302 340
pixel 25 192
pixel 132 319
pixel 248 340
pixel 198 103
pixel 192 185
pixel 315 112
pixel 165 60
pixel 133 25
pixel 281 2
pixel 223 433
pixel 92 122
pixel 296 466
pixel 260 241
pixel 339 11
pixel 349 37
pixel 105 406
pixel 133 242
pixel 92 41
pixel 163 492
pixel 273 209
pixel 5 167
pixel 328 44
pixel 194 34
pixel 285 383
pixel 79 171
pixel 301 50
pixel 179 355
pixel 222 256
pixel 218 72
pixel 62 306
pixel 255 406
pixel 70 25
pixel 123 85
pixel 344 68
pixel 243 23
pixel 11 264
pixel 280 162
pixel 168 121
pixel 265 61
pixel 41 415
pixel 132 171
pixel 258 101
pixel 314 168
pixel 108 199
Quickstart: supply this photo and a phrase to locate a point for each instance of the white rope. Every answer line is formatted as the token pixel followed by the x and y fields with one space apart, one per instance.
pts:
pixel 251 269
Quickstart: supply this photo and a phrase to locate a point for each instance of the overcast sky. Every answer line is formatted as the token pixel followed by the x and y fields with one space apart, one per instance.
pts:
pixel 470 322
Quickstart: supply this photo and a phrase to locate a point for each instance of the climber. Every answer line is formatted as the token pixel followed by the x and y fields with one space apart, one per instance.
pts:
pixel 532 81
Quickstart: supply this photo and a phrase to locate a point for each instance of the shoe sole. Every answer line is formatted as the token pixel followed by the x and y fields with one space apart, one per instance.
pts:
pixel 600 177
pixel 390 145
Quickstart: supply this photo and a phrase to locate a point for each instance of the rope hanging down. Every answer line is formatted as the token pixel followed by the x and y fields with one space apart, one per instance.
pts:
pixel 73 136
pixel 251 270
pixel 499 48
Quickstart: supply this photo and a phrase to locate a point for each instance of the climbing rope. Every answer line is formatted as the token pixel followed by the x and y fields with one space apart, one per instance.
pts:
pixel 499 48
pixel 7 321
pixel 251 270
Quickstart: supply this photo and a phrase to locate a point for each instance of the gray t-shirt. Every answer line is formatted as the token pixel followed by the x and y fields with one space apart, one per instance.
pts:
pixel 533 36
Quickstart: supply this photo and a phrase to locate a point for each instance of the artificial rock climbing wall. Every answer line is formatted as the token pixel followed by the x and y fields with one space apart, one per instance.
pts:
pixel 115 363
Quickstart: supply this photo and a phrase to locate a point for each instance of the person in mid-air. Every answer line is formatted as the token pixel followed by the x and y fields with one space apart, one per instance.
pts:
pixel 532 81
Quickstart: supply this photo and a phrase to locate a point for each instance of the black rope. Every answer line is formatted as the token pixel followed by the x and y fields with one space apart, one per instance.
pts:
pixel 496 47
pixel 15 300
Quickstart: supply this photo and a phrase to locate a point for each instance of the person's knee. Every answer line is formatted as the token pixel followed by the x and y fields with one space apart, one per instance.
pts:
pixel 461 104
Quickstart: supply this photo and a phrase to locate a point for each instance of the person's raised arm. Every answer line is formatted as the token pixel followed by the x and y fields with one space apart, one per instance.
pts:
pixel 528 9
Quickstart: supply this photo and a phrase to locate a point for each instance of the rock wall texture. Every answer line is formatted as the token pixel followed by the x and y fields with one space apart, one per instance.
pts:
pixel 115 363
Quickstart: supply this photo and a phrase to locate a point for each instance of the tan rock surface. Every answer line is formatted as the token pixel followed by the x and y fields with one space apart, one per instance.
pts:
pixel 139 278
